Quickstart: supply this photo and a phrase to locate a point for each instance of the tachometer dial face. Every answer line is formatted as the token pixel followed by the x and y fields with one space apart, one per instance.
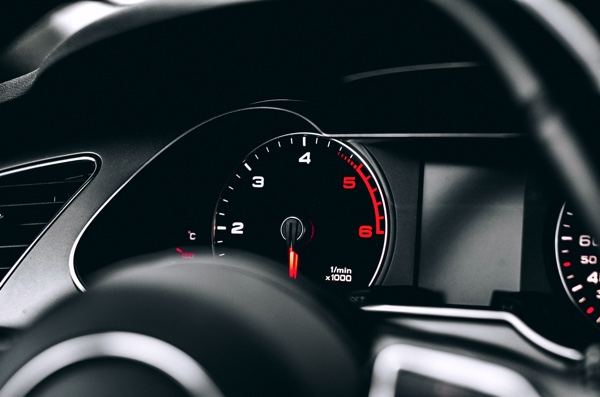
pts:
pixel 577 256
pixel 310 203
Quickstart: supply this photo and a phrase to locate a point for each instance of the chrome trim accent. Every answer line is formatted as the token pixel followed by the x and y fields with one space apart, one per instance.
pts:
pixel 404 69
pixel 153 352
pixel 466 372
pixel 421 135
pixel 72 270
pixel 60 211
pixel 488 315
pixel 572 29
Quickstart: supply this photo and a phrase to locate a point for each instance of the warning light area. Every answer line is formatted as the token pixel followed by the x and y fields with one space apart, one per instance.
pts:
pixel 185 255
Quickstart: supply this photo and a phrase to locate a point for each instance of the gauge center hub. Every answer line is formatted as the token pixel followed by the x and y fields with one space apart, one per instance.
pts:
pixel 292 229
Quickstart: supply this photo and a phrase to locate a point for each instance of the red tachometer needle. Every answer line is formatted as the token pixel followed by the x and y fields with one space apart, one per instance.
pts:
pixel 293 262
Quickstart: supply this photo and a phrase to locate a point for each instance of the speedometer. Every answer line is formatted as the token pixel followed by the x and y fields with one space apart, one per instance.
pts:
pixel 577 256
pixel 311 203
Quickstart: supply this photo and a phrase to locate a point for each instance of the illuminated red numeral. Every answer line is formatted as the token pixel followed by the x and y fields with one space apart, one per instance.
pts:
pixel 365 231
pixel 349 182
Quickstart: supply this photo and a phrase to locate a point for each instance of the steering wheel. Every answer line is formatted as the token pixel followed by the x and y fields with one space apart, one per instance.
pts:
pixel 162 329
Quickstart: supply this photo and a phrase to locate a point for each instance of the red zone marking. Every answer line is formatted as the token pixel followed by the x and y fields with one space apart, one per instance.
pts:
pixel 372 191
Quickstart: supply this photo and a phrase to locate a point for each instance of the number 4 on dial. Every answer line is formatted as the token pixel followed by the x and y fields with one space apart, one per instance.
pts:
pixel 305 158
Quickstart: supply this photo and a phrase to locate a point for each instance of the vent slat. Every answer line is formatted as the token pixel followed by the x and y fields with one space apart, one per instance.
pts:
pixel 49 192
pixel 31 204
pixel 76 179
pixel 30 198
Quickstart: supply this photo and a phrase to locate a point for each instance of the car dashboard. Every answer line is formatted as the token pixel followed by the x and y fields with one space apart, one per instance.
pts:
pixel 385 164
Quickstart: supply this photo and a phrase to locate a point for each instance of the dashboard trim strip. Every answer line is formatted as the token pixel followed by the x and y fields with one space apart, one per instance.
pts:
pixel 404 69
pixel 466 372
pixel 420 135
pixel 489 315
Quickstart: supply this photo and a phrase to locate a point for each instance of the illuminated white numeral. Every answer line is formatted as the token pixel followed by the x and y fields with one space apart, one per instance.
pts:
pixel 589 259
pixel 593 278
pixel 598 294
pixel 586 241
pixel 305 158
pixel 344 278
pixel 259 181
pixel 237 228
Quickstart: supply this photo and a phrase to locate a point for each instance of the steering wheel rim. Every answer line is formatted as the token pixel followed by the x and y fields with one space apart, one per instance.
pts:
pixel 564 144
pixel 265 334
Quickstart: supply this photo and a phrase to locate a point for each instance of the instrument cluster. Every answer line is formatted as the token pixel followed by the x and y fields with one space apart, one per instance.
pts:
pixel 405 219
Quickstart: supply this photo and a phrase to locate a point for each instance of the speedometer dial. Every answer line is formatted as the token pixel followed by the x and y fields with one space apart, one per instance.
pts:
pixel 577 256
pixel 311 203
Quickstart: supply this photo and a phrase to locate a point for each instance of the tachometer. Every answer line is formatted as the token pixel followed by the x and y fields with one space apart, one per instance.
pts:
pixel 577 255
pixel 311 203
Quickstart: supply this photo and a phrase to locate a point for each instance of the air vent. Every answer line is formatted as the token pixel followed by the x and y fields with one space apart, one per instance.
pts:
pixel 31 197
